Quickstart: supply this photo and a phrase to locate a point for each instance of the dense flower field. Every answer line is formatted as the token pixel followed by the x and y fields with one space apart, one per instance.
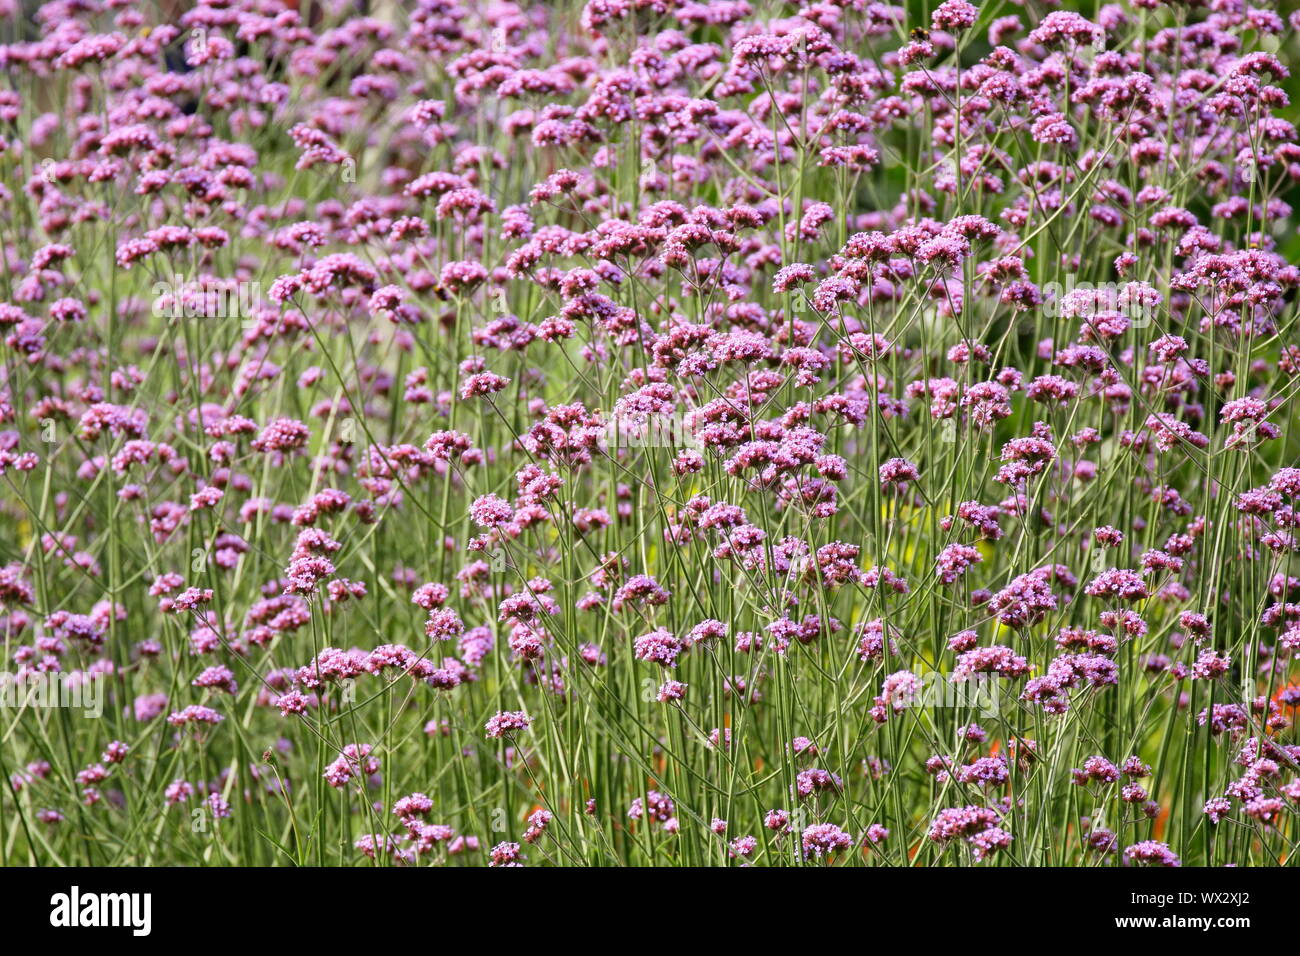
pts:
pixel 648 432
